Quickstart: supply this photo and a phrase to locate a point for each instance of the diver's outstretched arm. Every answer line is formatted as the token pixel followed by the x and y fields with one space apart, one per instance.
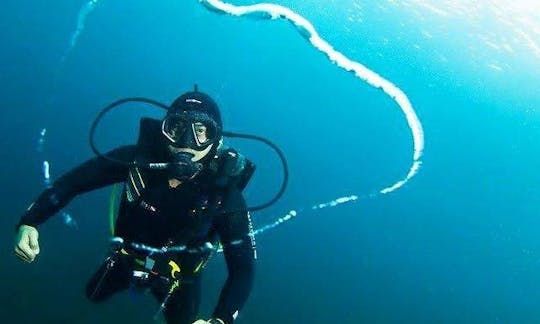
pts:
pixel 93 174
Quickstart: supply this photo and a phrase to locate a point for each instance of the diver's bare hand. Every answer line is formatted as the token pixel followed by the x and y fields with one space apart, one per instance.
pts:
pixel 210 321
pixel 26 243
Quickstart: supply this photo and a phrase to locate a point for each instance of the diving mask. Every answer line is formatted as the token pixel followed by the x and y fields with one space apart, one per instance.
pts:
pixel 192 130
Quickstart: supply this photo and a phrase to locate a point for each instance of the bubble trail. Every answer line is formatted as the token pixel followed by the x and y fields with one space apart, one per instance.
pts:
pixel 307 30
pixel 46 173
pixel 41 140
pixel 81 23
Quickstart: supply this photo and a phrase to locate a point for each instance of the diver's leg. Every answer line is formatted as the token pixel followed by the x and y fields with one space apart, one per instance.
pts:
pixel 183 305
pixel 108 280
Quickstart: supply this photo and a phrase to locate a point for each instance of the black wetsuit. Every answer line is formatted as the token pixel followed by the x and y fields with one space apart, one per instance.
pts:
pixel 153 213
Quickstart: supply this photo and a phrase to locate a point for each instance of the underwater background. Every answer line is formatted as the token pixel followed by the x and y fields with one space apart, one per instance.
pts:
pixel 459 243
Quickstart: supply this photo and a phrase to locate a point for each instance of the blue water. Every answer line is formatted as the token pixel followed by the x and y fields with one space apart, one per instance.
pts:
pixel 457 244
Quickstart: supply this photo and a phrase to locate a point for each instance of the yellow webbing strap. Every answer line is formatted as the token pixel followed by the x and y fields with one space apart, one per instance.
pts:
pixel 112 206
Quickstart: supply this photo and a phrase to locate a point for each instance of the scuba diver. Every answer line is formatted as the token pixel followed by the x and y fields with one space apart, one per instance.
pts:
pixel 194 202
